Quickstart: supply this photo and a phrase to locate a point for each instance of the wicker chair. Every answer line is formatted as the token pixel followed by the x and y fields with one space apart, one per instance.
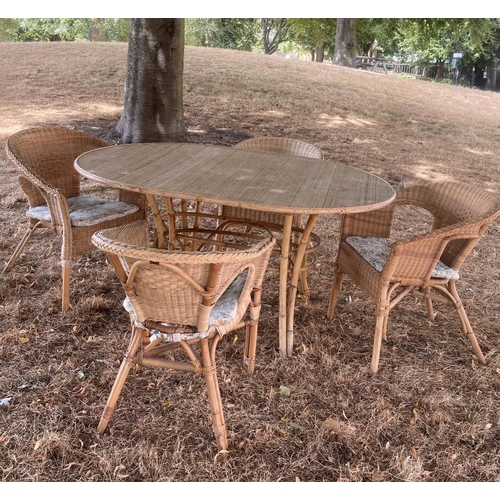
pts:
pixel 426 264
pixel 253 220
pixel 179 299
pixel 44 158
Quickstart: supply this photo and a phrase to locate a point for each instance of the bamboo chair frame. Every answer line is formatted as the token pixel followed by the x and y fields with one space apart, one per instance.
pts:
pixel 44 158
pixel 461 214
pixel 253 220
pixel 180 288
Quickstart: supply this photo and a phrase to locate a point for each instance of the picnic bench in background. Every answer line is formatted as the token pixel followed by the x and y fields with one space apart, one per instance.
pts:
pixel 374 63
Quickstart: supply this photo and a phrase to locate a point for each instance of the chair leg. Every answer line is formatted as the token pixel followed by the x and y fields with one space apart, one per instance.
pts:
pixel 250 346
pixel 251 330
pixel 66 274
pixel 464 320
pixel 428 303
pixel 377 341
pixel 128 361
pixel 337 284
pixel 384 327
pixel 214 399
pixel 20 247
pixel 383 309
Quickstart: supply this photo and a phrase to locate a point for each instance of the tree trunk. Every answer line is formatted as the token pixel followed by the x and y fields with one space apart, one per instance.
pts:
pixel 153 106
pixel 492 77
pixel 439 69
pixel 95 31
pixel 320 51
pixel 345 43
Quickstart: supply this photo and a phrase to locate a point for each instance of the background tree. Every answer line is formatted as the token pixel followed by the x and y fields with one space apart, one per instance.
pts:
pixel 153 104
pixel 431 39
pixel 274 31
pixel 375 36
pixel 227 33
pixel 345 43
pixel 113 29
pixel 315 35
pixel 51 30
pixel 8 26
pixel 64 29
pixel 435 40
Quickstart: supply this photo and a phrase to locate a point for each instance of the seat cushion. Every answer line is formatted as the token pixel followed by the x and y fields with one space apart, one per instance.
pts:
pixel 88 210
pixel 222 313
pixel 376 251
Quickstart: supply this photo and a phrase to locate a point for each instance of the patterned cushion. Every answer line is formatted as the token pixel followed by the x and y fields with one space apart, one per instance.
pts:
pixel 376 251
pixel 222 313
pixel 87 210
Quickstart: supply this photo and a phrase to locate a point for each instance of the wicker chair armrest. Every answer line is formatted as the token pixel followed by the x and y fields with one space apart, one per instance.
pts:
pixel 40 183
pixel 34 194
pixel 42 193
pixel 413 261
pixel 416 258
pixel 59 212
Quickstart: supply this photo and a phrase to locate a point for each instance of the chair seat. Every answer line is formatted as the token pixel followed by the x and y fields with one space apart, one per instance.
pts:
pixel 376 251
pixel 87 210
pixel 222 313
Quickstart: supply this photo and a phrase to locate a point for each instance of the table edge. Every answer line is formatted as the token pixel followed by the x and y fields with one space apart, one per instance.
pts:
pixel 232 203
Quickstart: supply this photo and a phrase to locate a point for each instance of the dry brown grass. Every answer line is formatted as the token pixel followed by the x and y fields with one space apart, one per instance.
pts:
pixel 430 414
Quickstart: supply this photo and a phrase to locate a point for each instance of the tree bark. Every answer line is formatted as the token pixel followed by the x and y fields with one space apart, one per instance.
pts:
pixel 153 105
pixel 95 31
pixel 345 43
pixel 320 51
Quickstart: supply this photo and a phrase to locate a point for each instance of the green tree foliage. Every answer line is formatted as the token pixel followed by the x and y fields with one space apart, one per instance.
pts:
pixel 113 29
pixel 7 27
pixel 227 33
pixel 375 36
pixel 437 39
pixel 51 30
pixel 312 35
pixel 63 29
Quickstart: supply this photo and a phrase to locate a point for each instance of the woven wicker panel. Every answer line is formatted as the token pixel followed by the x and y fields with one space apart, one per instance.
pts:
pixel 161 292
pixel 282 145
pixel 50 152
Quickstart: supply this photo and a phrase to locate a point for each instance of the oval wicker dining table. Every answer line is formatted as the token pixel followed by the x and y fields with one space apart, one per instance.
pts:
pixel 248 179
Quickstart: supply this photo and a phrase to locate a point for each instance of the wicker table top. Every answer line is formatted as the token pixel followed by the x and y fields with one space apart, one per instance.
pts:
pixel 229 176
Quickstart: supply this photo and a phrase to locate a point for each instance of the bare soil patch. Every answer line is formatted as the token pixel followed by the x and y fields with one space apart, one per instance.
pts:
pixel 430 414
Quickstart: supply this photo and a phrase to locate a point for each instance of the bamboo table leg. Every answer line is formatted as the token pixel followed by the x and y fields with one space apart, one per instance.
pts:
pixel 285 251
pixel 158 220
pixel 304 242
